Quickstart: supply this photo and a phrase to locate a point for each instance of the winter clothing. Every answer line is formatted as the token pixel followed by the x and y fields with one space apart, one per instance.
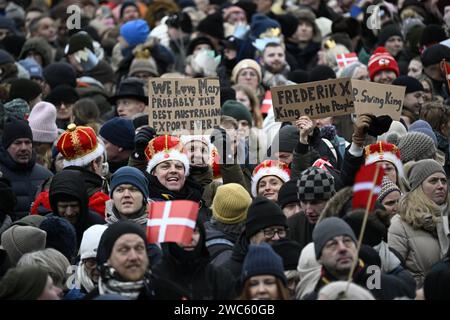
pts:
pixel 315 184
pixel 39 45
pixel 387 186
pixel 382 60
pixel 130 89
pixel 120 132
pixel 165 148
pixel 244 64
pixel 23 283
pixel 236 110
pixel 416 146
pixel 327 229
pixel 421 170
pixel 231 203
pixel 288 194
pixel 15 129
pixel 61 236
pixel 18 240
pixel 18 108
pixel 130 175
pixel 269 168
pixel 192 272
pixel 60 73
pixel 42 121
pixel 263 213
pixel 289 251
pixel 300 229
pixel 25 89
pixel 411 84
pixel 135 32
pixel 262 260
pixel 435 54
pixel 424 127
pixel 69 184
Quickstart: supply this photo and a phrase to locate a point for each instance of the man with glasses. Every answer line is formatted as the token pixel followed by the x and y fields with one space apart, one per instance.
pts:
pixel 265 222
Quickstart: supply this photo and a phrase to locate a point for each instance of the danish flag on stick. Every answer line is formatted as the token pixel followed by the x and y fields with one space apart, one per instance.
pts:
pixel 367 186
pixel 171 221
pixel 346 59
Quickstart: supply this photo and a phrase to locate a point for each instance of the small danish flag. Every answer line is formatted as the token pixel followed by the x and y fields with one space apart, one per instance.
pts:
pixel 346 59
pixel 171 221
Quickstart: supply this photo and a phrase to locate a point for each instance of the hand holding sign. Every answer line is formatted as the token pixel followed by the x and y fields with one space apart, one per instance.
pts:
pixel 360 129
pixel 306 126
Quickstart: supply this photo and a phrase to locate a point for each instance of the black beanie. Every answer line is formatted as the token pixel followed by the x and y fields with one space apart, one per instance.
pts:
pixel 227 94
pixel 319 73
pixel 79 41
pixel 15 129
pixel 288 194
pixel 25 89
pixel 289 24
pixel 62 94
pixel 435 54
pixel 411 84
pixel 289 251
pixel 432 34
pixel 288 138
pixel 60 73
pixel 348 25
pixel 389 31
pixel 61 236
pixel 114 232
pixel 261 214
pixel 198 41
pixel 212 25
pixel 298 76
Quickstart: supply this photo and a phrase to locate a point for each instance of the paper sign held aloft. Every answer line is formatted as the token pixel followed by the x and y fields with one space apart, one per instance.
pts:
pixel 171 221
pixel 335 97
pixel 314 99
pixel 378 99
pixel 183 106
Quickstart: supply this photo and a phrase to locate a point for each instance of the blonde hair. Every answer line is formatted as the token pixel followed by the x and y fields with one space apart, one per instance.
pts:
pixel 254 104
pixel 415 205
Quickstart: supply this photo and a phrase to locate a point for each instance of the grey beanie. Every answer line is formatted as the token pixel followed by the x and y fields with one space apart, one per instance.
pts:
pixel 415 146
pixel 349 70
pixel 18 240
pixel 288 138
pixel 315 184
pixel 327 229
pixel 421 170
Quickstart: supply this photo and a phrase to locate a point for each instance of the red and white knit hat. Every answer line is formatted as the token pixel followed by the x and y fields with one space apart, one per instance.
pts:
pixel 382 60
pixel 165 148
pixel 79 146
pixel 384 151
pixel 269 168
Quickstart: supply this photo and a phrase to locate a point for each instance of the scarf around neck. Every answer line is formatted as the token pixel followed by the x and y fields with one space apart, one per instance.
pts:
pixel 110 283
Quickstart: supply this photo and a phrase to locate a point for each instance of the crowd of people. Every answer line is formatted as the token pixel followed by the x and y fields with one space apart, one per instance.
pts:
pixel 79 163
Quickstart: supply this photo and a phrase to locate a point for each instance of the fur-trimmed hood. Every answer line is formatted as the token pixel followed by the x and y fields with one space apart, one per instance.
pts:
pixel 338 205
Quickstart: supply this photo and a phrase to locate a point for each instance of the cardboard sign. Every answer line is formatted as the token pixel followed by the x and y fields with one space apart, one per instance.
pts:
pixel 188 106
pixel 378 99
pixel 336 97
pixel 318 99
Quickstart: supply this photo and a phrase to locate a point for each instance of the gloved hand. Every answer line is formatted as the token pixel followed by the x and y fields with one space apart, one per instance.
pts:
pixel 360 129
pixel 141 140
pixel 224 144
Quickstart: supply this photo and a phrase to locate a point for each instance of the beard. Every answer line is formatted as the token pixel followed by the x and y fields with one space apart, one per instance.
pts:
pixel 275 69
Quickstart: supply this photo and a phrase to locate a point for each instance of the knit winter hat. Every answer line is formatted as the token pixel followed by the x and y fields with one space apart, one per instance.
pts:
pixel 61 236
pixel 261 214
pixel 262 260
pixel 17 108
pixel 381 60
pixel 244 64
pixel 289 251
pixel 114 232
pixel 288 138
pixel 236 110
pixel 387 186
pixel 39 45
pixel 135 32
pixel 18 240
pixel 435 54
pixel 421 170
pixel 119 131
pixel 288 194
pixel 416 146
pixel 42 122
pixel 230 203
pixel 130 175
pixel 31 220
pixel 260 23
pixel 23 283
pixel 327 229
pixel 25 89
pixel 5 57
pixel 90 241
pixel 411 84
pixel 424 127
pixel 143 65
pixel 289 24
pixel 212 25
pixel 432 34
pixel 79 41
pixel 33 68
pixel 321 72
pixel 395 132
pixel 315 184
pixel 15 129
pixel 60 73
pixel 435 285
pixel 350 69
pixel 389 31
pixel 62 94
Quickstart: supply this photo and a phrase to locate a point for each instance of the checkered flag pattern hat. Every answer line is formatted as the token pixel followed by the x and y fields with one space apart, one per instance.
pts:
pixel 315 184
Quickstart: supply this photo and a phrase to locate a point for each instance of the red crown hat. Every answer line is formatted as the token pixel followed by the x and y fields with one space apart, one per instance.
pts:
pixel 165 148
pixel 384 151
pixel 382 60
pixel 269 168
pixel 79 146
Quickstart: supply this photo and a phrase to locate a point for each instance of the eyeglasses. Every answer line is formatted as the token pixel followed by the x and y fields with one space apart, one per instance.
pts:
pixel 90 262
pixel 270 233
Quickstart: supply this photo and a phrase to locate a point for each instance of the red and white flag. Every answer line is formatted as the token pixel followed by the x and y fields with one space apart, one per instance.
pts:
pixel 346 59
pixel 365 183
pixel 171 221
pixel 447 73
pixel 267 102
